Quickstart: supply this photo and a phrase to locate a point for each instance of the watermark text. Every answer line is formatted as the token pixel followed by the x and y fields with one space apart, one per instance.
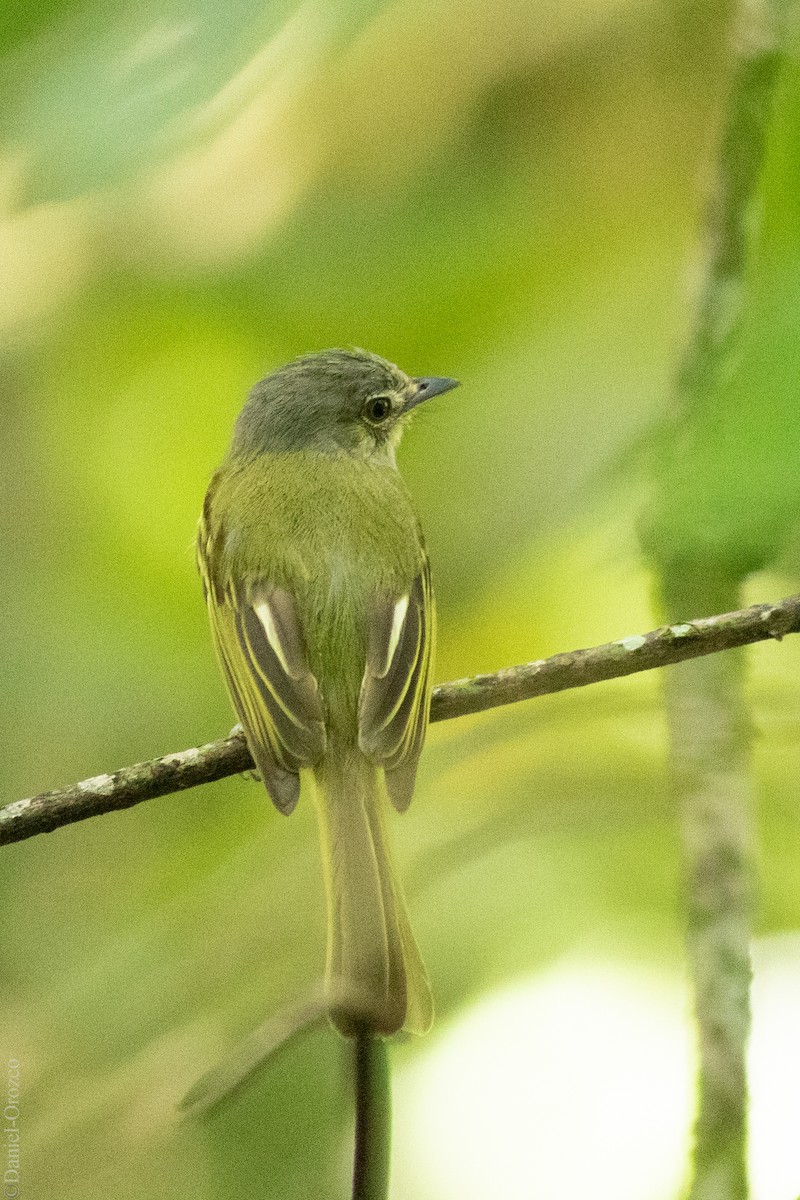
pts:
pixel 11 1132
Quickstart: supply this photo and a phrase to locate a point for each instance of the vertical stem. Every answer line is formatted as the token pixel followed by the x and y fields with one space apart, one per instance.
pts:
pixel 706 713
pixel 373 1135
pixel 710 753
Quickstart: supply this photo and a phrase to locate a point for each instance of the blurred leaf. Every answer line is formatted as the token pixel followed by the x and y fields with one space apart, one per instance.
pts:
pixel 729 473
pixel 102 91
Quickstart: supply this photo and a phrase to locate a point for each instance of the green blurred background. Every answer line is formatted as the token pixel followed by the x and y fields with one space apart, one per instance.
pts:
pixel 191 194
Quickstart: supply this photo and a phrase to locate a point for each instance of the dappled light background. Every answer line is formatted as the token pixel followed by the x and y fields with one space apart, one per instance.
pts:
pixel 191 194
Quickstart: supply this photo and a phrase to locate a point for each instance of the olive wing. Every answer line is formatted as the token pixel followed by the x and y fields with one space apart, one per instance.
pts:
pixel 394 704
pixel 260 646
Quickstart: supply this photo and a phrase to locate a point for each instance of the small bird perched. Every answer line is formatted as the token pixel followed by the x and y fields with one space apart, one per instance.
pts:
pixel 319 597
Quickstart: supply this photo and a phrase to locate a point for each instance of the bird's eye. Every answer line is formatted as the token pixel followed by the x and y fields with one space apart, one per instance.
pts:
pixel 377 409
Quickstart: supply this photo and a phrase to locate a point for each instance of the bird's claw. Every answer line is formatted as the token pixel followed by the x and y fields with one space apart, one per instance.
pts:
pixel 238 732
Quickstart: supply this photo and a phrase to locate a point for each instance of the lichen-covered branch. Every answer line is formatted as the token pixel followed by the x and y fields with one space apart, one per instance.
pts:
pixel 123 789
pixel 230 756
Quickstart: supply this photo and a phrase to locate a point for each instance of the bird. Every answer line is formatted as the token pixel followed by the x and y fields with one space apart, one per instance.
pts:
pixel 319 597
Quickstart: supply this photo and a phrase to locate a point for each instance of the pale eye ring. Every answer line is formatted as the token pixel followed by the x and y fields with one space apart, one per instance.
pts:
pixel 377 409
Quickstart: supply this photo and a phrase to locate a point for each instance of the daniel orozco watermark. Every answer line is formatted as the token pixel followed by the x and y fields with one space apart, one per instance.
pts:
pixel 11 1132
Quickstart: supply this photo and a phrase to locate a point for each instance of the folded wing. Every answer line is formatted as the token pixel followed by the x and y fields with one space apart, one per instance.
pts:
pixel 261 649
pixel 395 692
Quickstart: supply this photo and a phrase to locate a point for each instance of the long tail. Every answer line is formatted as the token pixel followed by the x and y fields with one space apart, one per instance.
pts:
pixel 374 972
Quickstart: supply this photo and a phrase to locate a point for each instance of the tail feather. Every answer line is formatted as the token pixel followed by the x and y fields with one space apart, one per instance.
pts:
pixel 373 960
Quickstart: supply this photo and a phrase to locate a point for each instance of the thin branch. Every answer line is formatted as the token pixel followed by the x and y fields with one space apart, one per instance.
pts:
pixel 371 1159
pixel 230 756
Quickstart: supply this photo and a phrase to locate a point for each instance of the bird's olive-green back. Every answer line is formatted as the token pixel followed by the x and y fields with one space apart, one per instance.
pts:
pixel 332 529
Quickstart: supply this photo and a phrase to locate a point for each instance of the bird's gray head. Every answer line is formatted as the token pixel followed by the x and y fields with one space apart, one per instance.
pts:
pixel 337 400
